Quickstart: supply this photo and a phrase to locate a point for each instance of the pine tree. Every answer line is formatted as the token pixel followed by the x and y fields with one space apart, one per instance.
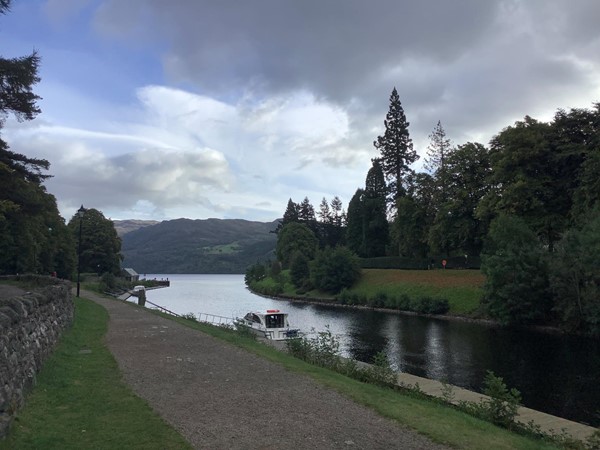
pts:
pixel 396 148
pixel 291 213
pixel 437 156
pixel 324 211
pixel 376 233
pixel 355 223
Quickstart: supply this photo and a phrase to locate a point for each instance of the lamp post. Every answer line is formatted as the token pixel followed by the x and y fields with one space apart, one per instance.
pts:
pixel 80 213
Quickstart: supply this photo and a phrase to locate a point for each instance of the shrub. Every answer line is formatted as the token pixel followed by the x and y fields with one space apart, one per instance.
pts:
pixel 334 269
pixel 501 407
pixel 379 300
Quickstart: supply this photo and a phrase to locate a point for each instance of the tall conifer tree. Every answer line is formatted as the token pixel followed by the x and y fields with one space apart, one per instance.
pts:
pixel 396 148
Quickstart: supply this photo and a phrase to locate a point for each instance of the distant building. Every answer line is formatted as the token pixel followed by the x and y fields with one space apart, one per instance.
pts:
pixel 130 274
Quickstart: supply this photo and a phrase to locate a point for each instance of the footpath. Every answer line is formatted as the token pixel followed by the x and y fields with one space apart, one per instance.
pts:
pixel 221 397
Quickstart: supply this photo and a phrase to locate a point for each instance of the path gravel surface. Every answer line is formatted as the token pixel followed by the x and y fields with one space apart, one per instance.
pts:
pixel 221 397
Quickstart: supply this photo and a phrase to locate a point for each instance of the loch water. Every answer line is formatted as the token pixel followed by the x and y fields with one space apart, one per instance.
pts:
pixel 556 374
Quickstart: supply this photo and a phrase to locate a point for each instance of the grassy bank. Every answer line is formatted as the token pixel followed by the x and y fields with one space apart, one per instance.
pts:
pixel 461 288
pixel 80 400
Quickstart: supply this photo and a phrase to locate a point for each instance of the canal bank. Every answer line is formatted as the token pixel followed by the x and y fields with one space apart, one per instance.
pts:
pixel 547 423
pixel 555 374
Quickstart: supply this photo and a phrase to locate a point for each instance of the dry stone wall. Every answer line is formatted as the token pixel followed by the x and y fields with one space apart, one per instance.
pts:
pixel 30 327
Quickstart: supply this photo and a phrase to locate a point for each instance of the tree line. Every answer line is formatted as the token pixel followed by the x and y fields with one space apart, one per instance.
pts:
pixel 527 203
pixel 34 238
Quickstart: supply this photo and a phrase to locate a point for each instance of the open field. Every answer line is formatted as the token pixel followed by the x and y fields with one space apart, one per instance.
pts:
pixel 462 288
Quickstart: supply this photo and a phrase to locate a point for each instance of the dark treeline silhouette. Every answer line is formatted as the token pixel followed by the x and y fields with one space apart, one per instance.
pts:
pixel 537 179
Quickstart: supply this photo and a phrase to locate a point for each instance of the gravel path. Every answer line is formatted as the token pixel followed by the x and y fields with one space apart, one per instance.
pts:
pixel 221 397
pixel 9 291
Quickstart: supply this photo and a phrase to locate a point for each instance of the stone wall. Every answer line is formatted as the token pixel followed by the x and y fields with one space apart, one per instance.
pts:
pixel 30 326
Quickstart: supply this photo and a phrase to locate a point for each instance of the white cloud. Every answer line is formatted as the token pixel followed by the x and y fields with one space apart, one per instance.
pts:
pixel 188 154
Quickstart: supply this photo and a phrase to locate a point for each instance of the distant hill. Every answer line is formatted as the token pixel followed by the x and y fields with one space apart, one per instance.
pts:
pixel 127 226
pixel 199 246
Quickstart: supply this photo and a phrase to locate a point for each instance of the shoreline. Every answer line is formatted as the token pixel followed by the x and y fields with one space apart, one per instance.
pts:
pixel 447 317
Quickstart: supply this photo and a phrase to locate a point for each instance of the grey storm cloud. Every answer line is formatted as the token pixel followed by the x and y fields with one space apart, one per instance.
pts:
pixel 321 46
pixel 450 60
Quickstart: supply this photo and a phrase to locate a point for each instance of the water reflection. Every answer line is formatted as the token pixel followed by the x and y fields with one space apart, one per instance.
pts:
pixel 555 374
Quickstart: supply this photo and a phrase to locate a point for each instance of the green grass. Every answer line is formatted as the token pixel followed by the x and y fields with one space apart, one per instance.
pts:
pixel 462 288
pixel 441 423
pixel 80 400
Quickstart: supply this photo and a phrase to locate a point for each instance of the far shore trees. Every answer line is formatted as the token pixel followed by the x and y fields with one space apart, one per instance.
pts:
pixel 526 198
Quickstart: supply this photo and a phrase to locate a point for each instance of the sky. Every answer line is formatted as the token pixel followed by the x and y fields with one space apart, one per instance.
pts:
pixel 226 109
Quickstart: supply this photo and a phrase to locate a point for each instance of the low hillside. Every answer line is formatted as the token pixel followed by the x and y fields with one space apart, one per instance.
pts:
pixel 127 226
pixel 199 246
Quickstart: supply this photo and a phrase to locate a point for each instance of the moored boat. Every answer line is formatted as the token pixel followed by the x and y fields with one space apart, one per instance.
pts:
pixel 271 324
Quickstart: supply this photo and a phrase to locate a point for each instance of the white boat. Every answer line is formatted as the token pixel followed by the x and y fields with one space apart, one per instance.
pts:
pixel 271 324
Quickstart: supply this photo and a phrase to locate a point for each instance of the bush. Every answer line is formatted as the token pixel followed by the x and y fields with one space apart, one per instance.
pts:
pixel 334 269
pixel 501 408
pixel 379 300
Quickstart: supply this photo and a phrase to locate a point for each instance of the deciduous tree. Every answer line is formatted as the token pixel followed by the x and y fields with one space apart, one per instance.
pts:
pixel 516 289
pixel 100 244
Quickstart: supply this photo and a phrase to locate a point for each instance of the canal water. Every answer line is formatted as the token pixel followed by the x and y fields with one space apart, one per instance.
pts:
pixel 555 374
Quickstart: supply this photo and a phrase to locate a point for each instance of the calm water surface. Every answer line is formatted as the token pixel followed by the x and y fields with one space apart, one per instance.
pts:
pixel 556 374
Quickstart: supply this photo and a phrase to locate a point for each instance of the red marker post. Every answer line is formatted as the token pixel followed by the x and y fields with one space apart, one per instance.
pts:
pixel 444 263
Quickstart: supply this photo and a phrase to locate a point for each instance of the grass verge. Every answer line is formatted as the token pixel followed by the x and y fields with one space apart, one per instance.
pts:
pixel 441 423
pixel 80 400
pixel 459 287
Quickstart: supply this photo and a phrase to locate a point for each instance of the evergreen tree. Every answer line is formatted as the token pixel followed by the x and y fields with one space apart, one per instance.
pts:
pixel 324 211
pixel 376 233
pixel 338 217
pixel 290 215
pixel 396 148
pixel 437 155
pixel 307 216
pixel 355 229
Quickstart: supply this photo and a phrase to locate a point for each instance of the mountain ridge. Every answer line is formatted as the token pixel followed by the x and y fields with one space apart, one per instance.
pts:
pixel 199 246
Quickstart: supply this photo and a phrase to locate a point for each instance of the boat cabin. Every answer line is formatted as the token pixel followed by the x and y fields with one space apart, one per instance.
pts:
pixel 272 323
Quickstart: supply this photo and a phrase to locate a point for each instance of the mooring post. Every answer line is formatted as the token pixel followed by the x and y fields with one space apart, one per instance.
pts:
pixel 141 295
